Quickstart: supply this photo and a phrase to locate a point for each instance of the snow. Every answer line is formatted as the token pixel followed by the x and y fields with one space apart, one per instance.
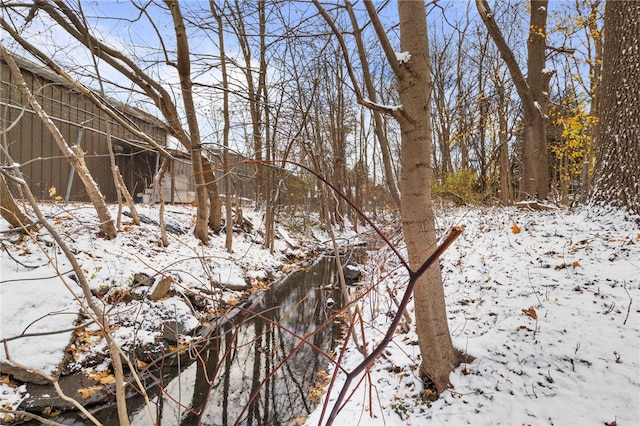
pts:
pixel 576 362
pixel 403 57
pixel 36 303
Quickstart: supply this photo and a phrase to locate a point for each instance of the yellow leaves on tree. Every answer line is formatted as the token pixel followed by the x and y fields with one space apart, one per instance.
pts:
pixel 572 142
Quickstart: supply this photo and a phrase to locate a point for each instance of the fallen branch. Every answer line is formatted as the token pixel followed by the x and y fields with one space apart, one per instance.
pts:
pixel 54 382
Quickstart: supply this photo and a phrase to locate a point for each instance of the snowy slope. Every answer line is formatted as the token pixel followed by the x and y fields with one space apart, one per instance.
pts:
pixel 576 362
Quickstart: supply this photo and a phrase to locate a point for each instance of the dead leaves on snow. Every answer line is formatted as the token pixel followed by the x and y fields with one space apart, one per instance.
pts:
pixel 574 264
pixel 530 312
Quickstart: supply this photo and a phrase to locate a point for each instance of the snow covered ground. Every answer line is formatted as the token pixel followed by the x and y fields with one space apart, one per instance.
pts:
pixel 548 303
pixel 35 302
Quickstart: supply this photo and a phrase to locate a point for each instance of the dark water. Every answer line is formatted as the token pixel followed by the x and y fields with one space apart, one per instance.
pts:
pixel 254 373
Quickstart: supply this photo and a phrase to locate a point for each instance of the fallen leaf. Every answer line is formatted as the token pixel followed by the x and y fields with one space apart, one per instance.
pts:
pixel 515 228
pixel 106 380
pixel 104 377
pixel 88 392
pixel 576 264
pixel 530 312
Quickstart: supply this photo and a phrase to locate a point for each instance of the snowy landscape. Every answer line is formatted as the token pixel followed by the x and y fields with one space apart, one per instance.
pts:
pixel 546 303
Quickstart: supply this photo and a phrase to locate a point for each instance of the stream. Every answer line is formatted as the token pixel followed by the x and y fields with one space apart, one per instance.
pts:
pixel 253 371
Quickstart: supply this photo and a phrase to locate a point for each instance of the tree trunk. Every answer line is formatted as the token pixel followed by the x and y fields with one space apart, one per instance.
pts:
pixel 506 184
pixel 158 184
pixel 192 141
pixel 536 169
pixel 225 131
pixel 595 76
pixel 618 151
pixel 10 210
pixel 533 94
pixel 439 357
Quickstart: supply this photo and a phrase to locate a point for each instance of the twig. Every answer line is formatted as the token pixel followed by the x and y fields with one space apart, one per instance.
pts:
pixel 628 307
pixel 533 288
pixel 32 416
pixel 413 279
pixel 46 333
pixel 54 382
pixel 16 260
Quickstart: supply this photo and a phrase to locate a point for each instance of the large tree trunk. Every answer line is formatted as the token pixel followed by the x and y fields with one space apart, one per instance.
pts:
pixel 439 357
pixel 618 151
pixel 535 165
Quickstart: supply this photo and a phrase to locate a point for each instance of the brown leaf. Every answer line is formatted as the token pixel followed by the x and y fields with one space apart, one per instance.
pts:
pixel 530 312
pixel 515 228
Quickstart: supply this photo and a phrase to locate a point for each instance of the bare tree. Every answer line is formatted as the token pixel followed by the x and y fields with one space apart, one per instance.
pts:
pixel 412 70
pixel 381 135
pixel 226 125
pixel 439 357
pixel 618 152
pixel 533 92
pixel 255 81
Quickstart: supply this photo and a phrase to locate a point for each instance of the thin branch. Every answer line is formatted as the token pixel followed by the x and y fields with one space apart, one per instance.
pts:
pixel 54 382
pixel 413 279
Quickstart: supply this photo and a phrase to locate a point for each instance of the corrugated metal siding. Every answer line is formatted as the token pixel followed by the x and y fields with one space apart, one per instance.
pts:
pixel 31 144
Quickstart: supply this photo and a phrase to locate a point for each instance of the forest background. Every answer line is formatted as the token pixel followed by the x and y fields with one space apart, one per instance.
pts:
pixel 280 84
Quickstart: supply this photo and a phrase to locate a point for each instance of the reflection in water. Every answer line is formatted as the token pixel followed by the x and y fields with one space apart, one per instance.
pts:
pixel 260 372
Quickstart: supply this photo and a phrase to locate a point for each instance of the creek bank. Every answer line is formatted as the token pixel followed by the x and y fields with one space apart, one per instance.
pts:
pixel 167 351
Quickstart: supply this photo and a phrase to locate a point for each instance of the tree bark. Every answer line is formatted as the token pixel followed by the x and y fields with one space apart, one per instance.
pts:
pixel 192 141
pixel 439 357
pixel 532 91
pixel 618 151
pixel 10 210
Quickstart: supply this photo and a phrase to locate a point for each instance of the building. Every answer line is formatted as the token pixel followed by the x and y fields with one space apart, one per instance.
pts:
pixel 31 145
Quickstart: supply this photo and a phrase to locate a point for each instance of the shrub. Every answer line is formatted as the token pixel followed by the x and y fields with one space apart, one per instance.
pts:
pixel 459 187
